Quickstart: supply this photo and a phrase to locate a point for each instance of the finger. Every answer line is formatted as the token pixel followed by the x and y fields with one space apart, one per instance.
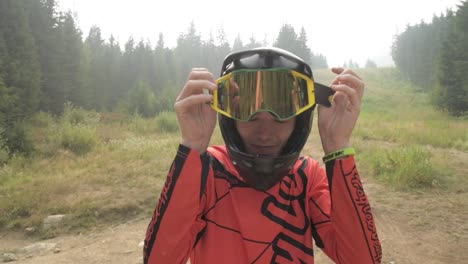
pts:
pixel 201 74
pixel 195 87
pixel 340 99
pixel 352 81
pixel 349 71
pixel 337 70
pixel 350 93
pixel 199 69
pixel 192 100
pixel 341 72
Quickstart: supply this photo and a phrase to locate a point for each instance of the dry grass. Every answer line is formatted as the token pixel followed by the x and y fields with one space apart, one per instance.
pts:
pixel 120 178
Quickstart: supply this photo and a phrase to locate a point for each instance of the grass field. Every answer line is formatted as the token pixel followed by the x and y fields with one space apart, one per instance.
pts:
pixel 103 168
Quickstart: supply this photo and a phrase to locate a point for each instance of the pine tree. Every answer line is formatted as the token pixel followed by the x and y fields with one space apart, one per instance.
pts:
pixel 452 93
pixel 253 43
pixel 19 74
pixel 188 53
pixel 95 82
pixel 209 53
pixel 318 61
pixel 21 66
pixel 69 63
pixel 449 77
pixel 303 50
pixel 416 50
pixel 112 58
pixel 370 64
pixel 462 29
pixel 237 45
pixel 222 49
pixel 165 68
pixel 287 39
pixel 128 66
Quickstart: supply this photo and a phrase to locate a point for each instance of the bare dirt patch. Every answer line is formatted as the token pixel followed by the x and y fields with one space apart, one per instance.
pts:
pixel 417 227
pixel 424 226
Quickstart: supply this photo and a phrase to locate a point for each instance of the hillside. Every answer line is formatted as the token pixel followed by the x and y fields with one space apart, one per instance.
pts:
pixel 412 159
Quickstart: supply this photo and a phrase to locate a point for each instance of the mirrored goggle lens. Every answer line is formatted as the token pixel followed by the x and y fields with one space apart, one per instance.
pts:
pixel 243 93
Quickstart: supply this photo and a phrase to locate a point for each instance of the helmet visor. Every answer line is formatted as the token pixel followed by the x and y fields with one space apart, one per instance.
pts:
pixel 283 92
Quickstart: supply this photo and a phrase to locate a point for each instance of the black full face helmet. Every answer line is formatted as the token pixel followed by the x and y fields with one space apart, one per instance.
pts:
pixel 262 171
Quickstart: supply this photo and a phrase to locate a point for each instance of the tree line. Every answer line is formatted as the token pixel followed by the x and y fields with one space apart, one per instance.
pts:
pixel 45 62
pixel 434 56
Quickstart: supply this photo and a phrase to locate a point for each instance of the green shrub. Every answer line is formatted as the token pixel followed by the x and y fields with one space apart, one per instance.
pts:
pixel 3 156
pixel 167 122
pixel 42 119
pixel 17 138
pixel 141 100
pixel 77 115
pixel 461 144
pixel 79 139
pixel 112 117
pixel 142 125
pixel 4 153
pixel 404 167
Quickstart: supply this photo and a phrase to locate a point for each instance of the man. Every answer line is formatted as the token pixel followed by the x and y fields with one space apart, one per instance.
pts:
pixel 256 200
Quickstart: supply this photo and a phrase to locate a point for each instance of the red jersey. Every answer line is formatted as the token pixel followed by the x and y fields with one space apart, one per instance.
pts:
pixel 207 213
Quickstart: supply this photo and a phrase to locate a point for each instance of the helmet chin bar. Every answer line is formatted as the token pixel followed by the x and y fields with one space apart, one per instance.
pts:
pixel 260 171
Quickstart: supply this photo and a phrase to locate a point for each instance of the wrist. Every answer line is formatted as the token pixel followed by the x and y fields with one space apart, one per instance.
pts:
pixel 341 153
pixel 332 147
pixel 200 147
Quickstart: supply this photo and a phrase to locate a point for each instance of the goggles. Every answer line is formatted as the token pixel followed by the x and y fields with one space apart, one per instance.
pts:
pixel 285 93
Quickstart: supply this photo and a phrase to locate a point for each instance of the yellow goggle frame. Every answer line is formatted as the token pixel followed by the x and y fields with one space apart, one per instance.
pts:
pixel 283 92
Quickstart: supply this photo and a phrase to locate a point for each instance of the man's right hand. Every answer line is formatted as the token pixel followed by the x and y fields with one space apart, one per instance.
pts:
pixel 194 114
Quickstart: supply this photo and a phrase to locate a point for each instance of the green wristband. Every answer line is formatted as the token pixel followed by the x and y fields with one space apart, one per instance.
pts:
pixel 339 153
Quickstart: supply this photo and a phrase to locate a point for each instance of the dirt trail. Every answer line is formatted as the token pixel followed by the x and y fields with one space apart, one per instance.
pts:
pixel 118 244
pixel 413 228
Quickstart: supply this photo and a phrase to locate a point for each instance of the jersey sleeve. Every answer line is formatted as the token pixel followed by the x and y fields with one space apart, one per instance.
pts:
pixel 342 222
pixel 176 222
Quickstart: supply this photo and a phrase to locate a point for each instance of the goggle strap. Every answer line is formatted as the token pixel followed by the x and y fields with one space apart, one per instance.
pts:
pixel 323 94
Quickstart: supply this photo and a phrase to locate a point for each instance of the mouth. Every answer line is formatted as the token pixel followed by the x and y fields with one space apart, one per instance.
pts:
pixel 262 150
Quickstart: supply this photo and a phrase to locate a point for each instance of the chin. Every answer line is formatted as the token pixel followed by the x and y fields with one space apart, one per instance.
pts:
pixel 264 153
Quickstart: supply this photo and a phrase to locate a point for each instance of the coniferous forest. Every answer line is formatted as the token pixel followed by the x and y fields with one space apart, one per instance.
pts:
pixel 47 62
pixel 434 56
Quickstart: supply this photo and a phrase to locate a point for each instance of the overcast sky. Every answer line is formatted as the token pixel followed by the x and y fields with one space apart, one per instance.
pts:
pixel 339 29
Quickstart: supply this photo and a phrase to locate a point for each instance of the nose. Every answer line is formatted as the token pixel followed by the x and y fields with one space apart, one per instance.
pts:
pixel 263 125
pixel 264 116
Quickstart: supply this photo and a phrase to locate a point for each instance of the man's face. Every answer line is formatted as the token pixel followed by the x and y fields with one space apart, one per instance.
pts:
pixel 264 134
